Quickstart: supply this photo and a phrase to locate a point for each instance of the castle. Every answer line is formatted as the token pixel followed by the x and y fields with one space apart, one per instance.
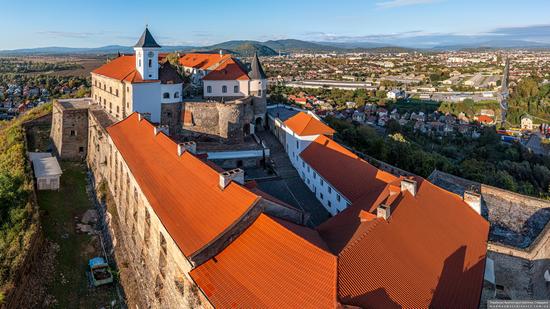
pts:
pixel 195 235
pixel 233 103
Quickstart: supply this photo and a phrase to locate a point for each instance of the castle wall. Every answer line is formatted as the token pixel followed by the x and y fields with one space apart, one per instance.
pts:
pixel 155 261
pixel 111 95
pixel 69 132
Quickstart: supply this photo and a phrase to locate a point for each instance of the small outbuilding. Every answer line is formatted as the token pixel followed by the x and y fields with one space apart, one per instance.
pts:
pixel 46 170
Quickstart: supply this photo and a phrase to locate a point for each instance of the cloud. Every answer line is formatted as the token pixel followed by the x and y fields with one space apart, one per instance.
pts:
pixel 399 3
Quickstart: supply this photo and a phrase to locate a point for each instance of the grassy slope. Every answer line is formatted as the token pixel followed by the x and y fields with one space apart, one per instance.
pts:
pixel 70 283
pixel 18 215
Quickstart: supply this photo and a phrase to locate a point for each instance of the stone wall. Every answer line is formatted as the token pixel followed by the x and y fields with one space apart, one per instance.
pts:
pixel 229 121
pixel 69 132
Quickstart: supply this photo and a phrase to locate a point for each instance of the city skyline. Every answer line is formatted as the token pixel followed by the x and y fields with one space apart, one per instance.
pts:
pixel 421 23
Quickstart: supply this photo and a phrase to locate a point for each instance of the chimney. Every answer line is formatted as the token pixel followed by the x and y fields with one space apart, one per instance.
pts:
pixel 187 146
pixel 140 117
pixel 473 199
pixel 408 185
pixel 161 128
pixel 383 211
pixel 221 53
pixel 226 177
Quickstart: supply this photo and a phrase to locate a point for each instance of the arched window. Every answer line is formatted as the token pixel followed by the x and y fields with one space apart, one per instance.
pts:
pixel 209 89
pixel 166 95
pixel 224 89
pixel 176 94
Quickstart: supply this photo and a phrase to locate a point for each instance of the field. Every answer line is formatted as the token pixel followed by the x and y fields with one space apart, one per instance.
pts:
pixel 82 67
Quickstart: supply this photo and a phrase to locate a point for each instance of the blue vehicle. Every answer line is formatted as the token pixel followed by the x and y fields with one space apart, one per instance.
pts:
pixel 101 273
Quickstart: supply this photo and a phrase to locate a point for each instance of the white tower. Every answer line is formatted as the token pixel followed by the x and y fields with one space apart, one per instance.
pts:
pixel 147 55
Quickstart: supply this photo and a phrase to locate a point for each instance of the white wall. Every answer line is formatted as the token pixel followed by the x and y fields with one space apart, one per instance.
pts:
pixel 146 99
pixel 332 200
pixel 258 85
pixel 296 144
pixel 142 63
pixel 217 88
pixel 171 89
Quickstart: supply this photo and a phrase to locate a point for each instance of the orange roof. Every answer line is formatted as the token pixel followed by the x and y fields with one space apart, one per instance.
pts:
pixel 430 252
pixel 183 191
pixel 122 68
pixel 273 264
pixel 201 61
pixel 485 119
pixel 229 69
pixel 352 176
pixel 304 125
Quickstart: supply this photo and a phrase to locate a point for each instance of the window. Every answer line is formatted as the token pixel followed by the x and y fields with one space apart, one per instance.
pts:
pixel 127 89
pixel 176 95
pixel 329 203
pixel 209 89
pixel 81 149
pixel 322 182
pixel 110 89
pixel 303 164
pixel 259 93
pixel 73 133
pixel 329 190
pixel 297 145
pixel 338 197
pixel 236 89
pixel 150 63
pixel 117 109
pixel 321 195
pixel 139 63
pixel 116 92
pixel 224 89
pixel 308 170
pixel 166 95
pixel 314 176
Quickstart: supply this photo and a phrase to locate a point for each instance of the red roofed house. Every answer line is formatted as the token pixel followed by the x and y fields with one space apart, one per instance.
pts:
pixel 301 129
pixel 137 83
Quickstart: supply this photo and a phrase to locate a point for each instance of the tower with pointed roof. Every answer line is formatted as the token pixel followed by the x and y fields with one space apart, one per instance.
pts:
pixel 258 88
pixel 147 52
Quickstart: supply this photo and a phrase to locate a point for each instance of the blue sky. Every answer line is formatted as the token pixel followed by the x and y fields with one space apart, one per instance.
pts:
pixel 33 23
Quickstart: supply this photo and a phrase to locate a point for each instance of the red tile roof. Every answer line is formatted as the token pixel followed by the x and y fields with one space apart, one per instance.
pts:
pixel 122 68
pixel 430 252
pixel 485 119
pixel 350 175
pixel 304 125
pixel 229 69
pixel 183 191
pixel 273 264
pixel 201 61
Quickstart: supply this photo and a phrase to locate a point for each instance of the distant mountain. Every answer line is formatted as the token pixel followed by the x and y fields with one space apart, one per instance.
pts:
pixel 273 47
pixel 110 49
pixel 493 44
pixel 241 48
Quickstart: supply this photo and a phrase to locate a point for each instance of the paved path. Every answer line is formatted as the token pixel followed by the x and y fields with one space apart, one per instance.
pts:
pixel 290 188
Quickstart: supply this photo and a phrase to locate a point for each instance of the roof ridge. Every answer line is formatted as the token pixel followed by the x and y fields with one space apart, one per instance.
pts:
pixel 352 244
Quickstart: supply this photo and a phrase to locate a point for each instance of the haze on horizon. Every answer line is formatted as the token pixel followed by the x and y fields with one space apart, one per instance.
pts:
pixel 414 23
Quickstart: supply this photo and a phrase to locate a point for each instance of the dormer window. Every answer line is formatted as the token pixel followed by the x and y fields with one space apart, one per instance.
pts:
pixel 166 95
